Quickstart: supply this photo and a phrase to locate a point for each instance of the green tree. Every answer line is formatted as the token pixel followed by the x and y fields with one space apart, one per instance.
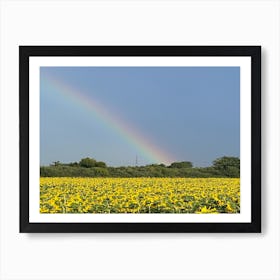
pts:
pixel 100 172
pixel 75 164
pixel 100 164
pixel 87 162
pixel 182 164
pixel 228 166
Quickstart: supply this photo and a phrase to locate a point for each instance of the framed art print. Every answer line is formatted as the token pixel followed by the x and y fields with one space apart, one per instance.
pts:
pixel 140 138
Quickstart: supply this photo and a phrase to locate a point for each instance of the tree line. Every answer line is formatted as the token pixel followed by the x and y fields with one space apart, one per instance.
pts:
pixel 89 167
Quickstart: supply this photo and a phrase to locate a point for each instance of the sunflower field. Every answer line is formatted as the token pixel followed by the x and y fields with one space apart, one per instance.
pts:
pixel 139 195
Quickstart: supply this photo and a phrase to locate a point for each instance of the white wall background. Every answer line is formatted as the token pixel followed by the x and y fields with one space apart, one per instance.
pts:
pixel 139 256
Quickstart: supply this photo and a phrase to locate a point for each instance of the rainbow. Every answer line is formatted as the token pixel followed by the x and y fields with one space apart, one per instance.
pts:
pixel 123 128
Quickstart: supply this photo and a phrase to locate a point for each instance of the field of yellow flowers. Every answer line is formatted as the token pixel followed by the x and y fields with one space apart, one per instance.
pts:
pixel 139 195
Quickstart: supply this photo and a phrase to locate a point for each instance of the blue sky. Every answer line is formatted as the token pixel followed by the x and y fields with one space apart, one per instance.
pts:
pixel 191 113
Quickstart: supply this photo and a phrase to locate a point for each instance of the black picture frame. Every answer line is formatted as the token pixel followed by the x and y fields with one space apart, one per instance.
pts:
pixel 254 52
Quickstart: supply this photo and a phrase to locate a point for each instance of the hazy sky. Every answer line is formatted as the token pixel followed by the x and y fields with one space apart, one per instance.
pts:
pixel 114 114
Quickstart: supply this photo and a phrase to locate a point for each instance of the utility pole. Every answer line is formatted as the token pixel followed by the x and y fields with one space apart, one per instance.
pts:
pixel 136 161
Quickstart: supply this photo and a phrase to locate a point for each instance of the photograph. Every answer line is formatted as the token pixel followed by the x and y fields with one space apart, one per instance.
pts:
pixel 139 140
